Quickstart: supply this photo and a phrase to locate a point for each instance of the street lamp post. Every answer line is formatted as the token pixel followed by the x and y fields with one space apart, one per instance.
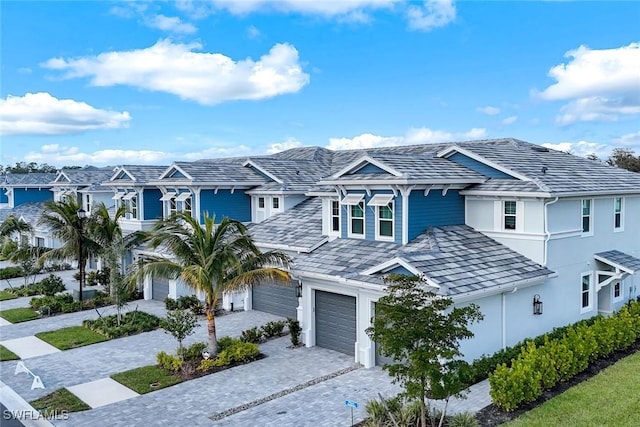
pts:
pixel 82 214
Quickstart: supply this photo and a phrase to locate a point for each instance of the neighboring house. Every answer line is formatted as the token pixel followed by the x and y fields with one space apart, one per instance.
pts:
pixel 87 183
pixel 19 188
pixel 535 237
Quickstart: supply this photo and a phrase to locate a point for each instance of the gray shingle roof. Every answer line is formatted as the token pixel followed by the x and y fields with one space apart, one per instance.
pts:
pixel 509 185
pixel 457 258
pixel 26 179
pixel 298 228
pixel 30 212
pixel 219 171
pixel 85 176
pixel 141 173
pixel 300 173
pixel 621 258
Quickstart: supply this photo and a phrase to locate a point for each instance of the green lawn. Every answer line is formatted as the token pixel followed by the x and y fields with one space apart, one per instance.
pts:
pixel 71 337
pixel 4 295
pixel 608 399
pixel 6 354
pixel 140 379
pixel 59 400
pixel 17 315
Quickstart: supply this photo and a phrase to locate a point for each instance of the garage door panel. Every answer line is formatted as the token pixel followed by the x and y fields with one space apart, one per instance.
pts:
pixel 336 322
pixel 276 299
pixel 159 288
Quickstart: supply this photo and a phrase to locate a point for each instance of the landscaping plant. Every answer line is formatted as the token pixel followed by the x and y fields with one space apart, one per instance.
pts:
pixel 180 324
pixel 294 331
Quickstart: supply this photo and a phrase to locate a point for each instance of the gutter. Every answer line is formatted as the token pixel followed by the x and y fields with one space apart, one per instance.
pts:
pixel 495 290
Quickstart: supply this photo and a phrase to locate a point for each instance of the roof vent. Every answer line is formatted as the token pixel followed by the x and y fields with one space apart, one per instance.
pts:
pixel 540 148
pixel 544 170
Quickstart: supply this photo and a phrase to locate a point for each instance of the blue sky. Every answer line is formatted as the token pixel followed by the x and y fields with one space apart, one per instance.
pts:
pixel 148 82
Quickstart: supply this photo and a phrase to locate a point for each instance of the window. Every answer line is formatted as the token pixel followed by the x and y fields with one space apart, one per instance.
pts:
pixel 87 203
pixel 173 206
pixel 133 207
pixel 275 202
pixel 586 216
pixel 261 202
pixel 384 222
pixel 186 206
pixel 509 215
pixel 356 220
pixel 40 242
pixel 617 291
pixel 335 216
pixel 585 294
pixel 618 206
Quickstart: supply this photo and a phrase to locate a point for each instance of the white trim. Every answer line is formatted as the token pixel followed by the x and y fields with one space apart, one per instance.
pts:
pixel 177 168
pixel 585 309
pixel 118 195
pixel 352 199
pixel 183 196
pixel 377 223
pixel 360 163
pixel 620 297
pixel 614 264
pixel 129 196
pixel 364 221
pixel 251 163
pixel 167 196
pixel 621 228
pixel 330 230
pixel 590 216
pixel 456 149
pixel 380 200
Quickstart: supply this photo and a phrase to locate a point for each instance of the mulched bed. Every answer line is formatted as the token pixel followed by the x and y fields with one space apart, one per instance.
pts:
pixel 493 416
pixel 189 371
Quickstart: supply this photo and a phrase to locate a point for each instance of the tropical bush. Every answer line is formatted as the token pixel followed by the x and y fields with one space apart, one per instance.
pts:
pixel 253 335
pixel 169 362
pixel 64 303
pixel 51 285
pixel 273 329
pixel 294 331
pixel 234 351
pixel 132 323
pixel 557 359
pixel 11 272
pixel 192 352
pixel 184 302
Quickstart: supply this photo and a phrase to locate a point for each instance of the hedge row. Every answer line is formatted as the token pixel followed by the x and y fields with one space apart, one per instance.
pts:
pixel 540 367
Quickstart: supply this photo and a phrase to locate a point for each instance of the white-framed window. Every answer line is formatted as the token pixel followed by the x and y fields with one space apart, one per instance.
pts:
pixel 617 291
pixel 87 203
pixel 132 207
pixel 587 217
pixel 260 202
pixel 275 203
pixel 618 213
pixel 334 217
pixel 509 213
pixel 586 293
pixel 384 222
pixel 356 220
pixel 173 207
pixel 40 242
pixel 186 206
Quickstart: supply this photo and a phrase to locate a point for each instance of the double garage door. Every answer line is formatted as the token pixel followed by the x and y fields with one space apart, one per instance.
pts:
pixel 275 299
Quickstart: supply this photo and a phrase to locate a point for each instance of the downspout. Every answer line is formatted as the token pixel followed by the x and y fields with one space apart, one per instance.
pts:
pixel 547 234
pixel 504 317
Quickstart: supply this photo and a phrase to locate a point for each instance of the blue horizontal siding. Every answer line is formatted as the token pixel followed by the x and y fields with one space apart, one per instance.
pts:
pixel 370 217
pixel 369 168
pixel 3 197
pixel 29 195
pixel 479 167
pixel 236 206
pixel 152 203
pixel 434 210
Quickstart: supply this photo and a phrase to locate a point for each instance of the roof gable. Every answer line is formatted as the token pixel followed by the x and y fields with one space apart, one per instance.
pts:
pixel 175 171
pixel 478 163
pixel 366 164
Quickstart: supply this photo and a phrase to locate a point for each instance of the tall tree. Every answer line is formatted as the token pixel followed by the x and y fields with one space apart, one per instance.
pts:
pixel 13 224
pixel 624 158
pixel 72 229
pixel 421 332
pixel 211 258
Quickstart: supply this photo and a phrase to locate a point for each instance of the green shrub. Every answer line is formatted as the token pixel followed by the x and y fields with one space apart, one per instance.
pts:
pixel 253 335
pixel 132 323
pixel 11 272
pixel 463 419
pixel 192 352
pixel 170 303
pixel 235 351
pixel 169 362
pixel 294 331
pixel 61 303
pixel 51 285
pixel 8 247
pixel 226 342
pixel 273 329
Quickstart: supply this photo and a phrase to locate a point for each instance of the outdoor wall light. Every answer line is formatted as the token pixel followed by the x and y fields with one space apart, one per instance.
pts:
pixel 82 213
pixel 537 305
pixel 299 289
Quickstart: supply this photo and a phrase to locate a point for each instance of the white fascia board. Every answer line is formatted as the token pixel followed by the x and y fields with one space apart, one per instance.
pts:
pixel 403 181
pixel 392 263
pixel 298 249
pixel 121 170
pixel 496 290
pixel 358 163
pixel 614 264
pixel 175 167
pixel 505 193
pixel 264 171
pixel 61 174
pixel 456 149
pixel 335 280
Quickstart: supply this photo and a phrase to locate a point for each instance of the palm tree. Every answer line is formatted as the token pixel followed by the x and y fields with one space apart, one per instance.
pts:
pixel 12 224
pixel 212 259
pixel 68 224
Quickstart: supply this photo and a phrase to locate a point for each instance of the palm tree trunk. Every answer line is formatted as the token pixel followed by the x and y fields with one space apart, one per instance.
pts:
pixel 211 329
pixel 81 269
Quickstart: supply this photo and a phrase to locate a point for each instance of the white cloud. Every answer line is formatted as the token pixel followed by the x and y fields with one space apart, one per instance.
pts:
pixel 600 84
pixel 413 136
pixel 434 14
pixel 509 120
pixel 284 145
pixel 308 7
pixel 42 114
pixel 488 110
pixel 253 32
pixel 628 140
pixel 581 148
pixel 207 78
pixel 171 24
